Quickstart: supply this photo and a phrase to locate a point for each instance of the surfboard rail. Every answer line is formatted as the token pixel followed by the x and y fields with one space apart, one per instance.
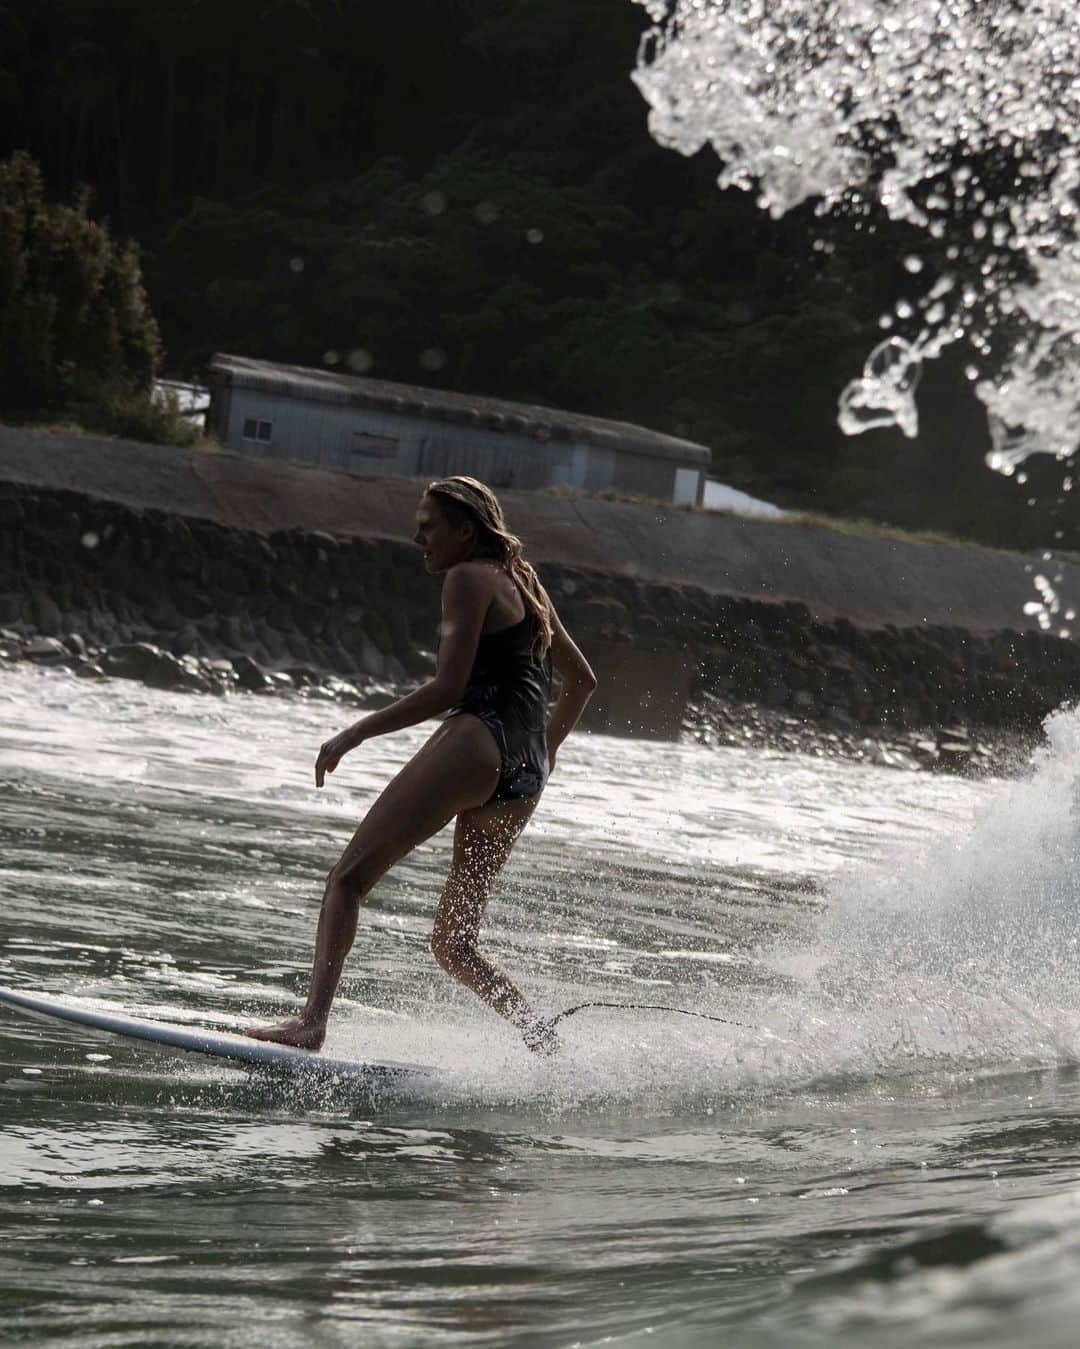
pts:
pixel 215 1044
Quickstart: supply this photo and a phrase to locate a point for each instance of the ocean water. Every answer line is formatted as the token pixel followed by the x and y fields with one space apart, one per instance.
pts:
pixel 885 1151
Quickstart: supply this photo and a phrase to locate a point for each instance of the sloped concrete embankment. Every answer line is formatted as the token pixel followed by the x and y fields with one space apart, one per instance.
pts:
pixel 284 608
pixel 871 581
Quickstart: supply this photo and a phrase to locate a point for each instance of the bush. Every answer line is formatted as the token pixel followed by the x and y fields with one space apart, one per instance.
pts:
pixel 139 416
pixel 75 322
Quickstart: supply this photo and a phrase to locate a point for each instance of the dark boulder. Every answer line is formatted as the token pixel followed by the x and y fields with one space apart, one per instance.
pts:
pixel 150 665
pixel 47 651
pixel 45 614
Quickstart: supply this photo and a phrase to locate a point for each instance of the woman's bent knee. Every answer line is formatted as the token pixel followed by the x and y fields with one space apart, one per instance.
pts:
pixel 352 878
pixel 452 952
pixel 442 950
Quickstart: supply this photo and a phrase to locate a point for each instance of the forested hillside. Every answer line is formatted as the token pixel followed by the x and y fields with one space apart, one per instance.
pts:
pixel 464 193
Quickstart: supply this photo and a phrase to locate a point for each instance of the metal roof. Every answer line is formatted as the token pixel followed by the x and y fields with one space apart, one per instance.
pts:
pixel 410 400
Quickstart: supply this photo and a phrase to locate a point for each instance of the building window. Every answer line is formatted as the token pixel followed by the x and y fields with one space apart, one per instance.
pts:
pixel 262 432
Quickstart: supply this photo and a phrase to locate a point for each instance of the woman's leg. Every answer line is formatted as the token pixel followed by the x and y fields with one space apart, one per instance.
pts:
pixel 457 769
pixel 483 838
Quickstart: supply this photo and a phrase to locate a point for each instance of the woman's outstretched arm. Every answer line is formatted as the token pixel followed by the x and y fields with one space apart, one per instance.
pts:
pixel 465 599
pixel 578 683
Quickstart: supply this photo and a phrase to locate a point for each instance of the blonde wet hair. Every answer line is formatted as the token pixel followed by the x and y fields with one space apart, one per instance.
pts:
pixel 469 499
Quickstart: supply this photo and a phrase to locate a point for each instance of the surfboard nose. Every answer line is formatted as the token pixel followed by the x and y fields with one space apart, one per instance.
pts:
pixel 215 1044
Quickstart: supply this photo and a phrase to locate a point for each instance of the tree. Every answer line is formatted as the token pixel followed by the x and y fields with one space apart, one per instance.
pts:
pixel 75 321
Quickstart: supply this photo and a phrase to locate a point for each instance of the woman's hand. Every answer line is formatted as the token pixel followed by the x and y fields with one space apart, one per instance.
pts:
pixel 332 753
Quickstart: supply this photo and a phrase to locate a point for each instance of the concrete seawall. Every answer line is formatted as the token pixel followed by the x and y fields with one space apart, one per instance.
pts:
pixel 274 574
pixel 871 581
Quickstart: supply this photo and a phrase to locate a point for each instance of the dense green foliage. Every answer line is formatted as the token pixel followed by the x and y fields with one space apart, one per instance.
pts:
pixel 464 193
pixel 77 338
pixel 73 313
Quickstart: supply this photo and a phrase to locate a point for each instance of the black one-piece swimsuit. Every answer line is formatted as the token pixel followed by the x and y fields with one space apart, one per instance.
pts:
pixel 508 690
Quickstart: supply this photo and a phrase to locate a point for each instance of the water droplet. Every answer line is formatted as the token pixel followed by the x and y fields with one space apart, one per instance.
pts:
pixel 534 235
pixel 434 203
pixel 296 264
pixel 433 358
pixel 884 396
pixel 486 212
pixel 90 539
pixel 360 360
pixel 331 357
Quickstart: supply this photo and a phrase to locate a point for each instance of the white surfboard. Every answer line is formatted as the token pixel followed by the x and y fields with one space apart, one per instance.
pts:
pixel 217 1044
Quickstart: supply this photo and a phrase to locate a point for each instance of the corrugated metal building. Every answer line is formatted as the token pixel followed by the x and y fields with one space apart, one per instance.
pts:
pixel 371 427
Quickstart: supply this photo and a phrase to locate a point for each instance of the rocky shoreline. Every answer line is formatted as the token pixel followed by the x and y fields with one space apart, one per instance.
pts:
pixel 709 719
pixel 110 590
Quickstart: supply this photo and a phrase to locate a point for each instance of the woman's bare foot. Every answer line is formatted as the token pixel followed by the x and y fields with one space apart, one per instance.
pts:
pixel 296 1031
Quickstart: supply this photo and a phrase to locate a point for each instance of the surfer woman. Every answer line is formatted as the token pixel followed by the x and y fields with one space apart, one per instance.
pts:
pixel 486 764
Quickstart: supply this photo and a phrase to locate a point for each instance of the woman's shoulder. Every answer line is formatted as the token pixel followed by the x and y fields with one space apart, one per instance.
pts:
pixel 475 579
pixel 476 573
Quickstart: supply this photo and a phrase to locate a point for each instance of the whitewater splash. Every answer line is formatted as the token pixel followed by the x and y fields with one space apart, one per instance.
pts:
pixel 962 118
pixel 956 954
pixel 965 950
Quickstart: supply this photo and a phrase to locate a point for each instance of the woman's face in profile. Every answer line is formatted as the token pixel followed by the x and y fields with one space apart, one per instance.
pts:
pixel 442 543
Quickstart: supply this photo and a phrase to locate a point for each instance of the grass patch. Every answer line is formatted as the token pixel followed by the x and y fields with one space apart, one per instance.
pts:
pixel 854 528
pixel 118 419
pixel 875 529
pixel 139 416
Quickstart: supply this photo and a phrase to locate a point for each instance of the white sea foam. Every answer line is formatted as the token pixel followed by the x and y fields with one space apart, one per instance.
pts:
pixel 963 949
pixel 951 953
